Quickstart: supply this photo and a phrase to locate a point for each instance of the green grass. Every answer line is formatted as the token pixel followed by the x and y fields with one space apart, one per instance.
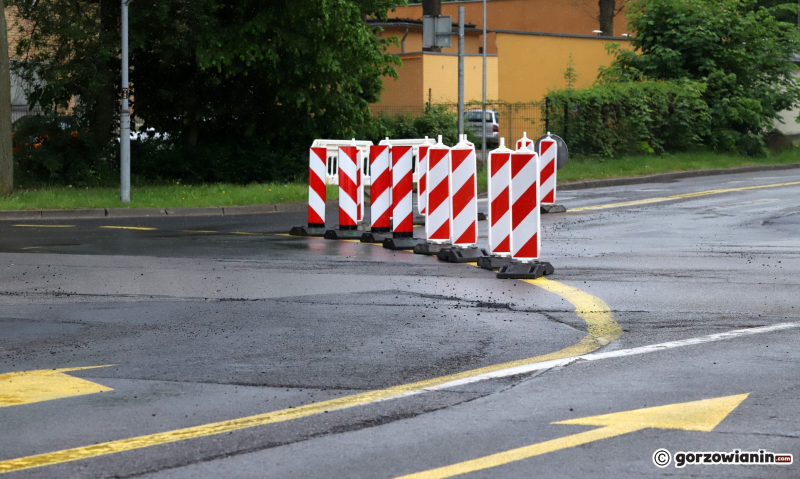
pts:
pixel 169 196
pixel 582 169
pixel 187 196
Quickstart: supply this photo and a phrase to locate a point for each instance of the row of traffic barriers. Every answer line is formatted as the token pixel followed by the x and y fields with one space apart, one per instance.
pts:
pixel 522 185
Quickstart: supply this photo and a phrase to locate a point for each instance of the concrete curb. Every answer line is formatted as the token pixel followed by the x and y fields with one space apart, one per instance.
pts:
pixel 662 177
pixel 301 207
pixel 150 212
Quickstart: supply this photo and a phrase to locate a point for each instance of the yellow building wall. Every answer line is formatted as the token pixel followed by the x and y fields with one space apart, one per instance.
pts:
pixel 441 77
pixel 576 17
pixel 530 65
pixel 408 88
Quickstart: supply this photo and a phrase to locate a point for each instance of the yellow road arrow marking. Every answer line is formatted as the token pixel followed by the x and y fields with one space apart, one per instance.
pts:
pixel 703 415
pixel 682 196
pixel 27 387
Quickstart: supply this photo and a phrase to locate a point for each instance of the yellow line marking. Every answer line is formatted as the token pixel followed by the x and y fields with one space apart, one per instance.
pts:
pixel 26 387
pixel 246 233
pixel 601 326
pixel 678 197
pixel 199 231
pixel 703 415
pixel 44 226
pixel 139 228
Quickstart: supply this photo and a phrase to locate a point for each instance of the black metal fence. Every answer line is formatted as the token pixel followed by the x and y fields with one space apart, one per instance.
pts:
pixel 514 118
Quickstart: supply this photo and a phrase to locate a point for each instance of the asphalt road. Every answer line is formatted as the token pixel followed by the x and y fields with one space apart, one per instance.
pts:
pixel 229 350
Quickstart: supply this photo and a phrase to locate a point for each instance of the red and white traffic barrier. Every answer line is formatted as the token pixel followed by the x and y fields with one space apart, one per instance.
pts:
pixel 548 151
pixel 499 167
pixel 464 194
pixel 422 179
pixel 360 185
pixel 316 187
pixel 348 161
pixel 437 226
pixel 525 239
pixel 380 190
pixel 402 186
pixel 525 142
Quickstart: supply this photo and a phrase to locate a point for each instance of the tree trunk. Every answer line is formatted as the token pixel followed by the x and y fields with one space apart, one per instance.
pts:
pixel 607 12
pixel 432 8
pixel 6 151
pixel 106 102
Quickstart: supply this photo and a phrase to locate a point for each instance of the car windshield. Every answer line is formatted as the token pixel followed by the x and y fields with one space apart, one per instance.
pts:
pixel 476 116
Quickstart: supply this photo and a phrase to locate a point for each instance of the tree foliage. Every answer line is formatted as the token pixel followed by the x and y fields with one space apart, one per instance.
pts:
pixel 739 50
pixel 267 75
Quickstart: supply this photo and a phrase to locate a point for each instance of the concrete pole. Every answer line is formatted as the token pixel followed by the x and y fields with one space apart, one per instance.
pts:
pixel 125 117
pixel 483 96
pixel 460 70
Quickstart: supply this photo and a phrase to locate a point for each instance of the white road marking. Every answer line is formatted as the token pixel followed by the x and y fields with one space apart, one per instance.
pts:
pixel 528 368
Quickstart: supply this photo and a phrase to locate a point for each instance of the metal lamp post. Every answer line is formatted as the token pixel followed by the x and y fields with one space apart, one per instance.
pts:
pixel 125 116
pixel 483 96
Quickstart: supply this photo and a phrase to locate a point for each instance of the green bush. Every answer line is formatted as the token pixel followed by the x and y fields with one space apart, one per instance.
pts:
pixel 628 118
pixel 50 150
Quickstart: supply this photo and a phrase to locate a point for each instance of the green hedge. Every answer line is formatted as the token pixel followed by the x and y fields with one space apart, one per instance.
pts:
pixel 627 118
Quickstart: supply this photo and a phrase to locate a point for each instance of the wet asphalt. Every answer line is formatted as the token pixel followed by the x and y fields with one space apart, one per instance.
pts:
pixel 206 319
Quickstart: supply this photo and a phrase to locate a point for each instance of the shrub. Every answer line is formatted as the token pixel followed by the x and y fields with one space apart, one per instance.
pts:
pixel 626 118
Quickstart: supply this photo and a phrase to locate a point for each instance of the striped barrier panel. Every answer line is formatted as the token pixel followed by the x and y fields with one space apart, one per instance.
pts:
pixel 525 142
pixel 348 160
pixel 437 226
pixel 422 179
pixel 380 190
pixel 548 151
pixel 499 168
pixel 525 220
pixel 464 195
pixel 316 187
pixel 402 186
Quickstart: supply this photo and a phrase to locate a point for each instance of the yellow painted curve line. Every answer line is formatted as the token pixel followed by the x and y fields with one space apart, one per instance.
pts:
pixel 682 196
pixel 602 329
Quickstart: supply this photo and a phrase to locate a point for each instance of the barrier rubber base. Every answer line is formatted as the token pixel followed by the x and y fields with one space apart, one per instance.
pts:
pixel 430 249
pixel 481 216
pixel 370 237
pixel 455 254
pixel 343 234
pixel 520 270
pixel 552 209
pixel 419 220
pixel 494 262
pixel 307 231
pixel 402 243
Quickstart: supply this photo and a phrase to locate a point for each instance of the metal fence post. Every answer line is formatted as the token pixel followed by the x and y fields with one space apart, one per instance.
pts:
pixel 546 114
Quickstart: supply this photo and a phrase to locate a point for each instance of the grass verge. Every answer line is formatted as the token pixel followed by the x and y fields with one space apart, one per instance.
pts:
pixel 168 196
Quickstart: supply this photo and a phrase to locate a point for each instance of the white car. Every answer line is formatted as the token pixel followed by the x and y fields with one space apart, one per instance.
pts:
pixel 472 122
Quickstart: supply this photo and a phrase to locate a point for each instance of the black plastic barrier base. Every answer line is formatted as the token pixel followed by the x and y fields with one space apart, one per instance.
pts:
pixel 462 255
pixel 430 249
pixel 553 209
pixel 370 237
pixel 307 231
pixel 494 262
pixel 520 270
pixel 419 220
pixel 343 234
pixel 402 243
pixel 481 216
